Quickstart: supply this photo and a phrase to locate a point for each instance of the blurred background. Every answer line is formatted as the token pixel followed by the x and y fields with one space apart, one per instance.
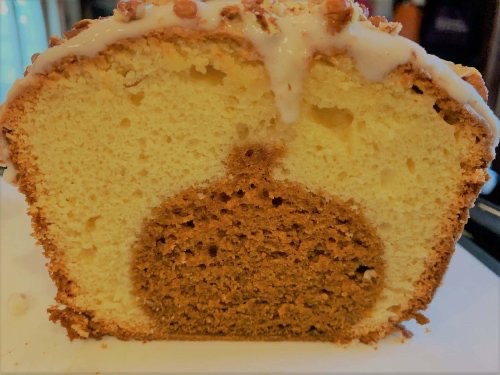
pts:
pixel 463 31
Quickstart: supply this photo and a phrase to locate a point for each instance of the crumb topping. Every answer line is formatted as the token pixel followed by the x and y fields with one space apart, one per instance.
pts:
pixel 127 11
pixel 230 12
pixel 338 14
pixel 185 8
pixel 55 41
pixel 77 28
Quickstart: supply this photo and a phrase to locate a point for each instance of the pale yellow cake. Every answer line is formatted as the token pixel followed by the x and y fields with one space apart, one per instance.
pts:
pixel 254 171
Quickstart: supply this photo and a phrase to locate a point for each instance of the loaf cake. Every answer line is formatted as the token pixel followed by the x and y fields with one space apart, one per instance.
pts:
pixel 254 170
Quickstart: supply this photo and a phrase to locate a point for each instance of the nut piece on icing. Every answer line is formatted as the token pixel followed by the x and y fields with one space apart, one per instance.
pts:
pixel 34 57
pixel 383 25
pixel 472 77
pixel 77 28
pixel 478 83
pixel 377 20
pixel 338 13
pixel 185 8
pixel 230 12
pixel 365 10
pixel 55 41
pixel 252 5
pixel 255 6
pixel 127 11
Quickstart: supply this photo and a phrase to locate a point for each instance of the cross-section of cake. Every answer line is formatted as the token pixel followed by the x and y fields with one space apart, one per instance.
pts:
pixel 255 170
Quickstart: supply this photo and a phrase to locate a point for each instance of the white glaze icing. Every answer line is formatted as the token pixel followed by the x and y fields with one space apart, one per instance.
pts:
pixel 285 54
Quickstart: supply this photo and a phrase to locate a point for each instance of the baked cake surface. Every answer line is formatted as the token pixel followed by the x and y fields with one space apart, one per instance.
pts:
pixel 254 170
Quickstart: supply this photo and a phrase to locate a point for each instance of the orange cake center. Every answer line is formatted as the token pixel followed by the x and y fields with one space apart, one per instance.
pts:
pixel 253 257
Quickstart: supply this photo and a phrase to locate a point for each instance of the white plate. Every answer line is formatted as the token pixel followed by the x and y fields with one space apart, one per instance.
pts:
pixel 463 335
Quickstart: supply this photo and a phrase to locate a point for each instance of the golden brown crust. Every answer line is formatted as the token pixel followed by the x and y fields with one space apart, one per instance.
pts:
pixel 473 177
pixel 27 182
pixel 473 172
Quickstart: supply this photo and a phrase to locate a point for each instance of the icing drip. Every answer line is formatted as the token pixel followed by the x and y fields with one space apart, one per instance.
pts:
pixel 373 63
pixel 285 56
pixel 285 52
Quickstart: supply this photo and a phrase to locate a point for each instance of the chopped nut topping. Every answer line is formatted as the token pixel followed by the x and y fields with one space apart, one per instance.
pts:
pixel 273 24
pixel 230 12
pixel 33 58
pixel 55 41
pixel 77 28
pixel 253 5
pixel 471 76
pixel 421 319
pixel 392 28
pixel 406 333
pixel 261 19
pixel 478 83
pixel 366 11
pixel 337 14
pixel 26 71
pixel 382 24
pixel 185 8
pixel 377 20
pixel 80 330
pixel 127 11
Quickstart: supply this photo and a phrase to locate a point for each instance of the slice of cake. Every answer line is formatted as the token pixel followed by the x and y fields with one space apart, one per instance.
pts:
pixel 249 170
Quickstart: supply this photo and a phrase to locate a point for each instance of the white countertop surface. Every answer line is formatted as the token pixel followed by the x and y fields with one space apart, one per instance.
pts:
pixel 463 335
